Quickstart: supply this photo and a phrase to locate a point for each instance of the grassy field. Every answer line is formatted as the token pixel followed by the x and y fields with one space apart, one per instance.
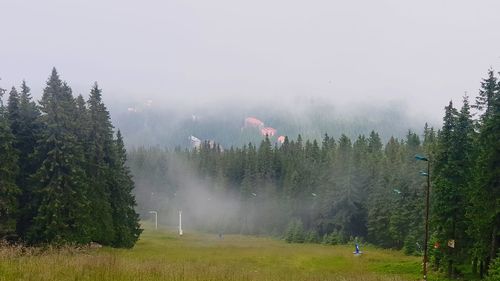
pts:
pixel 162 255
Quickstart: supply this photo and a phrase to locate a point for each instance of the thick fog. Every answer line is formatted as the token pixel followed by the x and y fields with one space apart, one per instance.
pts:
pixel 174 185
pixel 182 54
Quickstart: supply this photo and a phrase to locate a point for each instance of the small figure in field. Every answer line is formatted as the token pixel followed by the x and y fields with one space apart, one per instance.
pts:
pixel 356 250
pixel 221 235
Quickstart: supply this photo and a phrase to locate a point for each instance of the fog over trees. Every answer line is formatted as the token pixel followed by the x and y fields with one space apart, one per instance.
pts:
pixel 223 122
pixel 333 190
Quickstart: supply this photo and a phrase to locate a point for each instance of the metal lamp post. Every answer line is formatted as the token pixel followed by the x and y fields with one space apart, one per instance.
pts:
pixel 156 218
pixel 427 192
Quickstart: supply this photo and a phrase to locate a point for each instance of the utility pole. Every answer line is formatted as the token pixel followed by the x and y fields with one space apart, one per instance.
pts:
pixel 427 195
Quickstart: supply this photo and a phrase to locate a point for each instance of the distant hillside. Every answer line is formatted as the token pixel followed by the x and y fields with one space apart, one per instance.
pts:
pixel 149 124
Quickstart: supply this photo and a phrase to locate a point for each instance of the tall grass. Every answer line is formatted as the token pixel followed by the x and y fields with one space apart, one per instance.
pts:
pixel 161 255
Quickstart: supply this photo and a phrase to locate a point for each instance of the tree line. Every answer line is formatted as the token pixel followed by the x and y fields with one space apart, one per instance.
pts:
pixel 336 190
pixel 63 172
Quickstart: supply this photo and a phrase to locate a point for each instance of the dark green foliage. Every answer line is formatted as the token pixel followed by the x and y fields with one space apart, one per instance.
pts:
pixel 494 271
pixel 448 206
pixel 125 219
pixel 410 246
pixel 60 190
pixel 488 95
pixel 13 110
pixel 8 172
pixel 484 210
pixel 24 113
pixel 74 185
pixel 99 156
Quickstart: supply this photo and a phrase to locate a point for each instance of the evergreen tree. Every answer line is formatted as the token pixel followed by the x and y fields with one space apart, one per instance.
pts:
pixel 60 195
pixel 484 212
pixel 83 122
pixel 362 183
pixel 463 153
pixel 25 114
pixel 13 111
pixel 451 175
pixel 100 153
pixel 485 101
pixel 378 212
pixel 265 160
pixel 397 191
pixel 430 141
pixel 8 172
pixel 125 219
pixel 346 205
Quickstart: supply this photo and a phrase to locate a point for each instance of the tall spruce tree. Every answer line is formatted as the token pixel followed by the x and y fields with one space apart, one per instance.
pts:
pixel 484 212
pixel 463 154
pixel 125 219
pixel 398 189
pixel 100 154
pixel 379 194
pixel 25 114
pixel 60 193
pixel 345 205
pixel 8 172
pixel 450 182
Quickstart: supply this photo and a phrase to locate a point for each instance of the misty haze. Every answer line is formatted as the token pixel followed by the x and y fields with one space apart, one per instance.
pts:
pixel 249 140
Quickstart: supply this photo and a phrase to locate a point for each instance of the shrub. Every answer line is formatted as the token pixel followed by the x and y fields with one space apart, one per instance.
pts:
pixel 333 238
pixel 409 245
pixel 312 237
pixel 494 271
pixel 295 232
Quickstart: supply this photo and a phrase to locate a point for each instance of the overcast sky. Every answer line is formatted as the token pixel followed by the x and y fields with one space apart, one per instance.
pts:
pixel 422 53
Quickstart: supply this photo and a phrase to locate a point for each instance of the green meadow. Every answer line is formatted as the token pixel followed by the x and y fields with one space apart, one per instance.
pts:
pixel 163 255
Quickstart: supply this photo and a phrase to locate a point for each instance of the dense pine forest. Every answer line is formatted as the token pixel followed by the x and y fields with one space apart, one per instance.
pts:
pixel 63 173
pixel 336 190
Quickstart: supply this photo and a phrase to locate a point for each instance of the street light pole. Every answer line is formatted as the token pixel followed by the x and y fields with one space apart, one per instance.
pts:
pixel 156 218
pixel 427 195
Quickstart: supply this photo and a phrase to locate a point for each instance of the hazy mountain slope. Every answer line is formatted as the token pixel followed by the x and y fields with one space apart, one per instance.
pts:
pixel 151 124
